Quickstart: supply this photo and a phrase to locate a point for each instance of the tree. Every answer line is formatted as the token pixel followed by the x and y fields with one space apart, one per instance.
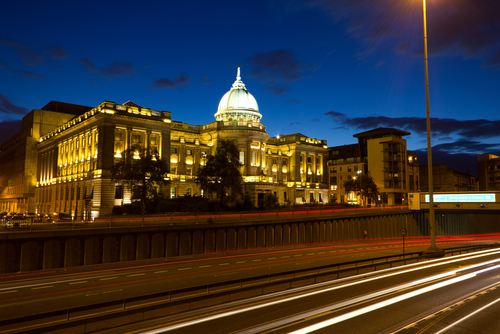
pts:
pixel 364 186
pixel 221 173
pixel 142 171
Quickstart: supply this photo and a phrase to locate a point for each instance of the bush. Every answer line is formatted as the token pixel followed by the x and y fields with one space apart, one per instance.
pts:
pixel 127 209
pixel 117 211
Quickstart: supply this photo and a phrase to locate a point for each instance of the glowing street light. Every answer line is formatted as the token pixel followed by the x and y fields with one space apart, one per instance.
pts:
pixel 432 223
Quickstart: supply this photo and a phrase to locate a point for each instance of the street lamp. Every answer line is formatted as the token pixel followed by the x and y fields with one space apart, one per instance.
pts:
pixel 433 248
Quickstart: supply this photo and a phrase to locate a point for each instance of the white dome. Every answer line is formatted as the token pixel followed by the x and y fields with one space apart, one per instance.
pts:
pixel 238 104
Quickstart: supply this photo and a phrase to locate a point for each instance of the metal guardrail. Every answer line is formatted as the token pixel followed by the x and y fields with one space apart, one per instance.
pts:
pixel 178 219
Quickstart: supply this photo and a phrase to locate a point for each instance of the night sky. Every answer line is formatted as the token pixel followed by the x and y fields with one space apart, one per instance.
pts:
pixel 327 69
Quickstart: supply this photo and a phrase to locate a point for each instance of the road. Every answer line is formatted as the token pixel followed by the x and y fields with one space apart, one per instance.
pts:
pixel 58 289
pixel 449 295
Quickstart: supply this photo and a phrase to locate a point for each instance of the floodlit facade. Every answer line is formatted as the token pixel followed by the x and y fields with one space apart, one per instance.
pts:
pixel 380 153
pixel 19 155
pixel 488 171
pixel 447 180
pixel 74 159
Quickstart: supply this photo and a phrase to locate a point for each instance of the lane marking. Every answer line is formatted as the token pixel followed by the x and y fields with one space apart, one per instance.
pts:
pixel 81 282
pixel 284 257
pixel 160 272
pixel 42 287
pixel 184 268
pixel 107 278
pixel 256 260
pixel 271 258
pixel 136 275
pixel 223 264
pixel 240 262
pixel 10 291
pixel 207 266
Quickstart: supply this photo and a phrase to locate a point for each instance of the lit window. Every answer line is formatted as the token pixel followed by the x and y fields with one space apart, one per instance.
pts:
pixel 242 157
pixel 189 152
pixel 172 192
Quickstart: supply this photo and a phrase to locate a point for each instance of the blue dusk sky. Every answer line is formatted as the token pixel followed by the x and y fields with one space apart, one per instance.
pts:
pixel 326 69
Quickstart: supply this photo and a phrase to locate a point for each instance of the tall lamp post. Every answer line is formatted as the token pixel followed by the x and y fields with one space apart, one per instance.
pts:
pixel 433 248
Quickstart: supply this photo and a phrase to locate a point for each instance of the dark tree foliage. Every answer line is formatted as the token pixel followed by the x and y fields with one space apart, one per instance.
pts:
pixel 364 186
pixel 142 171
pixel 221 173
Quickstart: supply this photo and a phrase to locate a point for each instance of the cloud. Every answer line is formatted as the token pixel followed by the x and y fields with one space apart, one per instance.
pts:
pixel 441 128
pixel 467 27
pixel 115 70
pixel 8 108
pixel 178 81
pixel 292 102
pixel 296 123
pixel 23 73
pixel 28 56
pixel 57 53
pixel 315 120
pixel 460 155
pixel 206 80
pixel 277 68
pixel 9 129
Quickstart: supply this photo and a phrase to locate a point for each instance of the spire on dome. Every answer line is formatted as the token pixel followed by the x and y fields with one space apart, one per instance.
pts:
pixel 238 84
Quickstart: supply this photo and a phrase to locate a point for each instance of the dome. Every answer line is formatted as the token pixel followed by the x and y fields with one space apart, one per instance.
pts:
pixel 238 104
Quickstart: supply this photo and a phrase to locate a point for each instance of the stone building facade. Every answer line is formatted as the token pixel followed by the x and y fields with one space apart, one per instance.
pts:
pixel 74 159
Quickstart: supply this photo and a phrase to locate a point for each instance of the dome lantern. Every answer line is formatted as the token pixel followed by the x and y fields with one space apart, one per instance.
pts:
pixel 238 104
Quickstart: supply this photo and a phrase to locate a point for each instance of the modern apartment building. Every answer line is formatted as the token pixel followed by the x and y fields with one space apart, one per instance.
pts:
pixel 488 172
pixel 380 153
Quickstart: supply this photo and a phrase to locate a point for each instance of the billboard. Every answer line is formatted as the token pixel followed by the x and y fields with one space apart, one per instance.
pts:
pixel 461 198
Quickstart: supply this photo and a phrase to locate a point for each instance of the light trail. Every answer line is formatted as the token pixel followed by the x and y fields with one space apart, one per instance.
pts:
pixel 288 299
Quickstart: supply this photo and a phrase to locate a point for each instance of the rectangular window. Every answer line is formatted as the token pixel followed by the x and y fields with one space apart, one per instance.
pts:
pixel 189 171
pixel 254 159
pixel 356 168
pixel 284 178
pixel 308 159
pixel 188 192
pixel 173 170
pixel 284 195
pixel 320 199
pixel 136 139
pixel 174 150
pixel 173 192
pixel 153 140
pixel 118 191
pixel 274 161
pixel 118 136
pixel 242 157
pixel 189 152
pixel 349 169
pixel 284 163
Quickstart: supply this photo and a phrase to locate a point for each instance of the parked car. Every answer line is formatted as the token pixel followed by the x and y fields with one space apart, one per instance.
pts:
pixel 17 221
pixel 61 217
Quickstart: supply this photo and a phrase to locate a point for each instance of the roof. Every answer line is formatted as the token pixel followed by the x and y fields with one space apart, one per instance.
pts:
pixel 67 108
pixel 132 104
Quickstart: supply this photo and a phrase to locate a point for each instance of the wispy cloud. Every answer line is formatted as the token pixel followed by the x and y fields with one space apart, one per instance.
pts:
pixel 9 129
pixel 7 108
pixel 277 68
pixel 178 81
pixel 22 73
pixel 440 127
pixel 28 56
pixel 114 70
pixel 467 27
pixel 57 53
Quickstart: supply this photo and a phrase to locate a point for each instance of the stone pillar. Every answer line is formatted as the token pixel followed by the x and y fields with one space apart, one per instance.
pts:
pixel 92 251
pixel 198 245
pixel 185 244
pixel 52 254
pixel 110 249
pixel 209 241
pixel 231 239
pixel 220 240
pixel 157 245
pixel 172 244
pixel 242 238
pixel 143 247
pixel 278 235
pixel 252 237
pixel 269 236
pixel 73 252
pixel 127 248
pixel 261 236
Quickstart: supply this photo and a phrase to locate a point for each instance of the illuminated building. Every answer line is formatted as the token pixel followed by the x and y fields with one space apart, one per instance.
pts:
pixel 19 155
pixel 381 153
pixel 488 171
pixel 76 157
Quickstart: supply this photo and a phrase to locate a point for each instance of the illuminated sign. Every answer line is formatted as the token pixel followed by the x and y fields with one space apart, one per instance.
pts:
pixel 461 198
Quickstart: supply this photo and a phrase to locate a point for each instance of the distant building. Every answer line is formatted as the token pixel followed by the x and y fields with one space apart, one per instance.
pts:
pixel 19 155
pixel 382 154
pixel 489 172
pixel 446 179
